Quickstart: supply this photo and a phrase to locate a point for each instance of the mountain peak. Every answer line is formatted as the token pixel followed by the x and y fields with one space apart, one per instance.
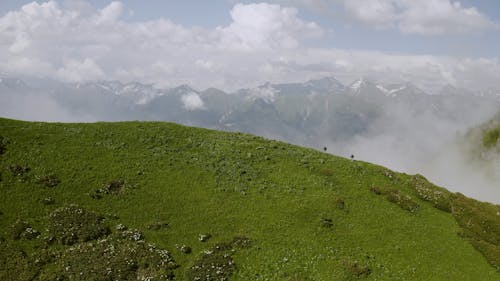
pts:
pixel 362 84
pixel 184 88
pixel 329 83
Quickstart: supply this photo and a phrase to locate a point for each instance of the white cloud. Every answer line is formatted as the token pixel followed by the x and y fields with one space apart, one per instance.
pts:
pixel 111 12
pixel 263 25
pixel 192 101
pixel 263 42
pixel 76 71
pixel 426 17
pixel 75 46
pixel 266 93
pixel 377 12
pixel 20 43
pixel 204 64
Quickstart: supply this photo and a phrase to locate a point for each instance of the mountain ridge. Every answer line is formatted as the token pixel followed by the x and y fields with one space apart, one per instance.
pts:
pixel 327 84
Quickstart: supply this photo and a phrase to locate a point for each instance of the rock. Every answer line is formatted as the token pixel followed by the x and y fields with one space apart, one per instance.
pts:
pixel 204 237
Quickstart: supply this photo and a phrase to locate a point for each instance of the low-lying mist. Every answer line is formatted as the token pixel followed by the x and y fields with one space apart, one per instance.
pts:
pixel 437 148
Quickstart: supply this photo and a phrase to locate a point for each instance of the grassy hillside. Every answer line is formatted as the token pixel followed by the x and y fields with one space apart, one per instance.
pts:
pixel 133 200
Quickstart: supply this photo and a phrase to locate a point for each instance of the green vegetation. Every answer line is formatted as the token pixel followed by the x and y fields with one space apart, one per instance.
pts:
pixel 217 263
pixel 72 224
pixel 490 137
pixel 481 142
pixel 479 221
pixel 395 196
pixel 159 201
pixel 490 132
pixel 3 144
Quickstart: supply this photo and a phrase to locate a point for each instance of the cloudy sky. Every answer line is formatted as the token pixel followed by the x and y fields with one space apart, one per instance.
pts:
pixel 232 44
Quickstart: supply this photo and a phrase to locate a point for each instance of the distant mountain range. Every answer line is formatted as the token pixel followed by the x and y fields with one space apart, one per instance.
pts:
pixel 304 113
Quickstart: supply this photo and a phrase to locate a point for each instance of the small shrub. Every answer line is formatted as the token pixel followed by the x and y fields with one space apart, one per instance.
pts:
pixel 132 235
pixel 441 198
pixel 397 197
pixel 217 263
pixel 376 190
pixel 356 269
pixel 30 233
pixel 223 247
pixel 389 174
pixel 21 229
pixel 404 201
pixel 73 224
pixel 158 226
pixel 241 242
pixel 120 227
pixel 3 145
pixel 214 264
pixel 113 188
pixel 326 222
pixel 17 229
pixel 340 203
pixel 185 249
pixel 48 201
pixel 48 180
pixel 112 216
pixel 18 170
pixel 95 195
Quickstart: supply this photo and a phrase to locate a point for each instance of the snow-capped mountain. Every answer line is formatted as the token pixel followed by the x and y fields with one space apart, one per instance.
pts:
pixel 366 87
pixel 371 89
pixel 394 90
pixel 296 112
pixel 326 84
pixel 136 92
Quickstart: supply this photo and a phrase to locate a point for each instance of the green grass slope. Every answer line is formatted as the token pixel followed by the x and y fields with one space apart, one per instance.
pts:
pixel 159 201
